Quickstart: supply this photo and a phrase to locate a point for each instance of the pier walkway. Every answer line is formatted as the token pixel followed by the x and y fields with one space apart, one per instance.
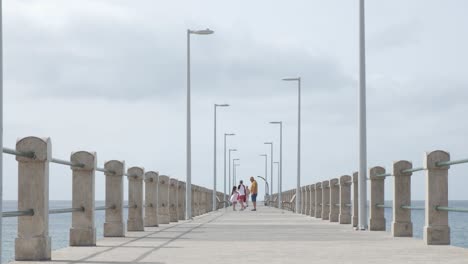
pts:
pixel 269 236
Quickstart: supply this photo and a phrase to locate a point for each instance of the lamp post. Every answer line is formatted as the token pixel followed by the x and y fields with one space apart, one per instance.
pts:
pixel 271 168
pixel 214 157
pixel 278 173
pixel 362 184
pixel 266 168
pixel 266 184
pixel 188 195
pixel 234 173
pixel 298 186
pixel 229 181
pixel 225 136
pixel 280 168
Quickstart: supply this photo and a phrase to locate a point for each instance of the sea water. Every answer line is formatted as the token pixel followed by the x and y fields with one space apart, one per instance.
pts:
pixel 59 225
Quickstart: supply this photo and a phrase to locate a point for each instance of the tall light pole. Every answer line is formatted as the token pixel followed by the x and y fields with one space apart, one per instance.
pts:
pixel 266 184
pixel 188 201
pixel 214 157
pixel 266 169
pixel 280 174
pixel 298 186
pixel 234 173
pixel 362 185
pixel 271 168
pixel 229 181
pixel 1 124
pixel 225 136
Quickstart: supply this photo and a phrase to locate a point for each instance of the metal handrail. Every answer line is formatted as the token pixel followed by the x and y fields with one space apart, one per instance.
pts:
pixel 412 207
pixel 453 162
pixel 66 210
pixel 29 212
pixel 383 206
pixel 451 209
pixel 67 163
pixel 98 208
pixel 10 151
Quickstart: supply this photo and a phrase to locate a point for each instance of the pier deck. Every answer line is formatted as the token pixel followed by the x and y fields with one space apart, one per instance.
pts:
pixel 266 236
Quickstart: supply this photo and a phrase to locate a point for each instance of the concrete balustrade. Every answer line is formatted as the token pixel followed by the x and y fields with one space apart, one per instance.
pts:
pixel 325 200
pixel 334 200
pixel 33 241
pixel 303 200
pixel 114 225
pixel 151 198
pixel 34 155
pixel 163 200
pixel 312 200
pixel 135 199
pixel 355 220
pixel 377 193
pixel 318 200
pixel 83 230
pixel 173 203
pixel 194 201
pixel 345 200
pixel 402 225
pixel 436 229
pixel 181 200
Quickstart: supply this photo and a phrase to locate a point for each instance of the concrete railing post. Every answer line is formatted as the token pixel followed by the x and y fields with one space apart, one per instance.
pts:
pixel 33 241
pixel 303 199
pixel 83 230
pixel 436 229
pixel 402 225
pixel 355 199
pixel 173 203
pixel 114 225
pixel 312 200
pixel 307 200
pixel 334 200
pixel 318 200
pixel 135 199
pixel 151 198
pixel 194 200
pixel 345 200
pixel 325 200
pixel 181 200
pixel 163 200
pixel 377 193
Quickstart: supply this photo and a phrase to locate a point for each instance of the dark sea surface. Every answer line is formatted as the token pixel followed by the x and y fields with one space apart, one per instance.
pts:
pixel 59 225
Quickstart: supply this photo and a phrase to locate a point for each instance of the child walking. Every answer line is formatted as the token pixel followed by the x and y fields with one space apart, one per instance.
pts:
pixel 234 197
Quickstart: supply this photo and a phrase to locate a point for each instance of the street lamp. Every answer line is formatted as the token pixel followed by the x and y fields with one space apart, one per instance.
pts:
pixel 229 181
pixel 271 163
pixel 214 158
pixel 266 194
pixel 266 168
pixel 298 186
pixel 225 135
pixel 280 168
pixel 362 184
pixel 234 173
pixel 188 203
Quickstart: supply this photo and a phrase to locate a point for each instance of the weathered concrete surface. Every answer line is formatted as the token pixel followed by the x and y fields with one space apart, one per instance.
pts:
pixel 269 236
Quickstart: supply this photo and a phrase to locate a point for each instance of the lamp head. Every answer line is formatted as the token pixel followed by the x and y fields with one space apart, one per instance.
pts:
pixel 292 79
pixel 276 122
pixel 202 32
pixel 222 105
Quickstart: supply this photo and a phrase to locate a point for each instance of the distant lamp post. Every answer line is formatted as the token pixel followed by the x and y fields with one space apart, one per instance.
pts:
pixel 280 168
pixel 229 181
pixel 214 158
pixel 225 136
pixel 266 194
pixel 298 185
pixel 188 201
pixel 271 164
pixel 234 173
pixel 266 170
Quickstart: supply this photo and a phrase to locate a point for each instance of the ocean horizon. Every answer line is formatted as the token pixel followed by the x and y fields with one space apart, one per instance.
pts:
pixel 59 225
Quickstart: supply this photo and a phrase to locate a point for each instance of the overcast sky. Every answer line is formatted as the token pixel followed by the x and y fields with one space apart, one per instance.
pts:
pixel 110 76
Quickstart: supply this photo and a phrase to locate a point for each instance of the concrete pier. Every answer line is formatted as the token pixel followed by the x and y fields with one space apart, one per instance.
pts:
pixel 151 201
pixel 210 239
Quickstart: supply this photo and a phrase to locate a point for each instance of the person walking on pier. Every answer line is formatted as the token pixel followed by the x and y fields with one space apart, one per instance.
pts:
pixel 234 197
pixel 242 193
pixel 253 192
